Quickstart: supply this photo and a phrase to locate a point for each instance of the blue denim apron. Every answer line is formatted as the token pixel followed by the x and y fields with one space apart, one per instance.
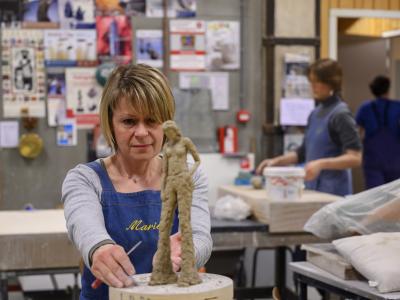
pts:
pixel 320 145
pixel 129 218
pixel 381 159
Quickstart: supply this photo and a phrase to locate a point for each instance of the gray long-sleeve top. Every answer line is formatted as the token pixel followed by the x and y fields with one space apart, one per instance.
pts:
pixel 81 195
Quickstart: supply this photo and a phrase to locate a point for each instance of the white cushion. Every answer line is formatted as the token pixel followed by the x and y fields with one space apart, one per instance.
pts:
pixel 375 256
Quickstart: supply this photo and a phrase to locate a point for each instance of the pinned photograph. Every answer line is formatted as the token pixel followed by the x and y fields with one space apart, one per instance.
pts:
pixel 223 45
pixel 76 14
pixel 40 14
pixel 23 60
pixel 149 47
pixel 176 8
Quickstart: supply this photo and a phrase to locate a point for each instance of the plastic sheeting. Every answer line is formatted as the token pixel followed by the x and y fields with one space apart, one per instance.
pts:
pixel 375 210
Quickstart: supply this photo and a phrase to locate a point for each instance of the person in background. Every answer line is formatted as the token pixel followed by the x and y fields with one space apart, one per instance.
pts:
pixel 331 145
pixel 379 122
pixel 111 204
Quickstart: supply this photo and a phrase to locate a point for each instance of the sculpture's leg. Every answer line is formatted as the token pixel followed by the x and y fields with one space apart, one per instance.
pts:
pixel 162 270
pixel 189 275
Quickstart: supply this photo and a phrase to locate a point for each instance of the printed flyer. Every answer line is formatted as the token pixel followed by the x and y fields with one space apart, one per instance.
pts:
pixel 223 45
pixel 149 47
pixel 83 95
pixel 70 47
pixel 187 45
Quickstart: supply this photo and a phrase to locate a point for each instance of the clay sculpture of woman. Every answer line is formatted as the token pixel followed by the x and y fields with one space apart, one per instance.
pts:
pixel 176 192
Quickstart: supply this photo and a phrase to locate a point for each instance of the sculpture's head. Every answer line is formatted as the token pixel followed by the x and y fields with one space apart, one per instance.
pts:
pixel 171 130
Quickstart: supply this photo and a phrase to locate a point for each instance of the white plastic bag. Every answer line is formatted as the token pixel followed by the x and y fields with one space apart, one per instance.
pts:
pixel 375 210
pixel 233 208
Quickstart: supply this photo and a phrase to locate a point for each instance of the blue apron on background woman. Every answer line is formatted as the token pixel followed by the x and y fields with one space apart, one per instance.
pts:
pixel 320 145
pixel 129 218
pixel 381 159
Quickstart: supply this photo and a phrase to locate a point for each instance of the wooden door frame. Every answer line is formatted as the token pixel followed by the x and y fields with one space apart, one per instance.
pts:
pixel 336 13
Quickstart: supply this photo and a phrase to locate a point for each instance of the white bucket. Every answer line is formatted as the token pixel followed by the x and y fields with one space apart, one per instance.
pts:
pixel 284 183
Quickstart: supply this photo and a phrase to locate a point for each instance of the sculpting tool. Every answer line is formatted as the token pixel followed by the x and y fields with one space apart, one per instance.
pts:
pixel 98 282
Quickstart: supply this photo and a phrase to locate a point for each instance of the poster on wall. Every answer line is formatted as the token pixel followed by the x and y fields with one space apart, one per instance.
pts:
pixel 76 14
pixel 83 95
pixel 114 39
pixel 149 47
pixel 41 14
pixel 223 45
pixel 23 76
pixel 11 11
pixel 187 45
pixel 70 47
pixel 123 7
pixel 295 81
pixel 216 82
pixel 297 102
pixel 175 9
pixel 292 141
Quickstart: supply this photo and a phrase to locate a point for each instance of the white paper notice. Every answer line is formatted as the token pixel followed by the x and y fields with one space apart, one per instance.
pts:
pixel 187 45
pixel 217 82
pixel 295 112
pixel 9 132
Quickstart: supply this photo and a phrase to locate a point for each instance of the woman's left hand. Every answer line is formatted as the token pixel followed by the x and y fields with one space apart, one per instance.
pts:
pixel 176 251
pixel 313 168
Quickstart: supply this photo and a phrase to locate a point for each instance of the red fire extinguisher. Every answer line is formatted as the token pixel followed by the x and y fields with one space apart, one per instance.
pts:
pixel 228 139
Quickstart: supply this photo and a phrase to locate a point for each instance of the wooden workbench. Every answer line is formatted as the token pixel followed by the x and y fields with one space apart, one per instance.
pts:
pixel 35 239
pixel 35 242
pixel 281 216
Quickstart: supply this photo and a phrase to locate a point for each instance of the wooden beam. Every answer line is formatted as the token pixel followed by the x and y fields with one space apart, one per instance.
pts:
pixel 394 5
pixel 324 28
pixel 346 4
pixel 368 4
pixel 359 4
pixel 381 4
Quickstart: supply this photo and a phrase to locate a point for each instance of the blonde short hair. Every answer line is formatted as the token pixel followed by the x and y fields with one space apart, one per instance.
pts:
pixel 144 88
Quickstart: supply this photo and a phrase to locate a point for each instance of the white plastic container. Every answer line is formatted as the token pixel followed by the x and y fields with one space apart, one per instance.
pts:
pixel 284 183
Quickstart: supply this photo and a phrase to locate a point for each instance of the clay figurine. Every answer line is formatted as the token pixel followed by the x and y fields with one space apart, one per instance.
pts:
pixel 176 191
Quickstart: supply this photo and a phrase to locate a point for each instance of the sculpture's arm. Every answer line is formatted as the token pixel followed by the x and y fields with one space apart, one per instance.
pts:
pixel 164 172
pixel 193 151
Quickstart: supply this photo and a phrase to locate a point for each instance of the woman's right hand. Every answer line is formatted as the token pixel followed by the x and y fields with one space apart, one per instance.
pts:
pixel 270 162
pixel 112 266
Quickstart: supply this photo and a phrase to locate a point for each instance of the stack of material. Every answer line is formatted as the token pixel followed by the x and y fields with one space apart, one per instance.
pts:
pixel 326 257
pixel 281 216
